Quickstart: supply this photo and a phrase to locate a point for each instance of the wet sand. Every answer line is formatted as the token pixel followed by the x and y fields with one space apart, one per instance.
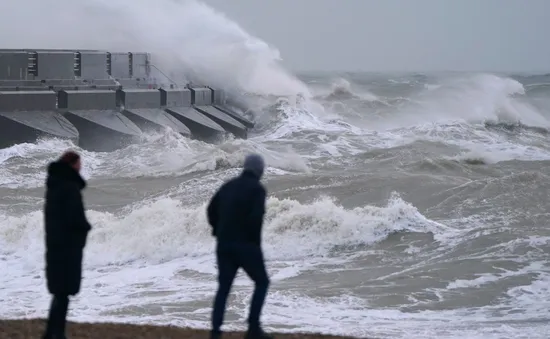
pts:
pixel 33 329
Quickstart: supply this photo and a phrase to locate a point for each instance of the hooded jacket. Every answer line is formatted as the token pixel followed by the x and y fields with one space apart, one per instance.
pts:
pixel 237 209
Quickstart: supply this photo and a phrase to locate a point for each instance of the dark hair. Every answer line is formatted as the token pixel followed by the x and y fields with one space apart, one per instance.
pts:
pixel 70 157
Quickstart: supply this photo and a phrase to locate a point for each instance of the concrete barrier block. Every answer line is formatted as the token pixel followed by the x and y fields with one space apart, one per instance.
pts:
pixel 120 65
pixel 64 82
pixel 27 101
pixel 140 65
pixel 218 96
pixel 55 65
pixel 201 96
pixel 34 88
pixel 21 83
pixel 138 98
pixel 175 97
pixel 93 65
pixel 105 87
pixel 24 88
pixel 104 82
pixel 14 65
pixel 68 87
pixel 87 100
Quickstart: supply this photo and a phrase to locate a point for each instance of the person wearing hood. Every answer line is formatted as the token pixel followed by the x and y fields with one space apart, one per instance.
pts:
pixel 66 231
pixel 236 213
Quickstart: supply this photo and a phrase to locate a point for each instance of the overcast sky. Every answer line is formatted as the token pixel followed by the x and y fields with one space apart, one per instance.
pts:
pixel 400 35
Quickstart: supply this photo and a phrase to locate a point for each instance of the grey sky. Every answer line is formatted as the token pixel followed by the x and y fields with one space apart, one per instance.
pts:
pixel 400 35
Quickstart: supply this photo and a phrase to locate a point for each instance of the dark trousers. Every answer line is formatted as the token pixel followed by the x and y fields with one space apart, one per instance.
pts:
pixel 57 318
pixel 230 258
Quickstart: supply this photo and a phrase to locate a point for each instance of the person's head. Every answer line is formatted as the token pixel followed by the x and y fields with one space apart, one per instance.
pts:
pixel 254 163
pixel 72 159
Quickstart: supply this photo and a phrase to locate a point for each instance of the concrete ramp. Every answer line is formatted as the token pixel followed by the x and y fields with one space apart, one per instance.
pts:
pixel 143 107
pixel 150 118
pixel 201 127
pixel 28 116
pixel 94 113
pixel 202 102
pixel 247 123
pixel 177 102
pixel 228 123
pixel 219 102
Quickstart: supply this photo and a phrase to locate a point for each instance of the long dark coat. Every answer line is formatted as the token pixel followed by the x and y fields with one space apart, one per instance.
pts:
pixel 66 229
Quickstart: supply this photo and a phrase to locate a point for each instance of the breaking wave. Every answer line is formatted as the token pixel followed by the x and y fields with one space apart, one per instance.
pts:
pixel 165 229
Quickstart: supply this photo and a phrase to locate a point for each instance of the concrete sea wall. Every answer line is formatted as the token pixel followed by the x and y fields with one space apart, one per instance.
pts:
pixel 102 100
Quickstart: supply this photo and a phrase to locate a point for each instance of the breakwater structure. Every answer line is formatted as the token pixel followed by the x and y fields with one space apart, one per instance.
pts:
pixel 102 100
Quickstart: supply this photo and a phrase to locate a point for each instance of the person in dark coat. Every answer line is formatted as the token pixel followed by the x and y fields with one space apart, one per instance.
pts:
pixel 66 230
pixel 236 213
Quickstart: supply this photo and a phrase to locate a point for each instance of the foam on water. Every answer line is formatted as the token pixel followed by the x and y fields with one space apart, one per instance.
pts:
pixel 305 121
pixel 158 252
pixel 463 98
pixel 293 231
pixel 159 154
pixel 125 252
